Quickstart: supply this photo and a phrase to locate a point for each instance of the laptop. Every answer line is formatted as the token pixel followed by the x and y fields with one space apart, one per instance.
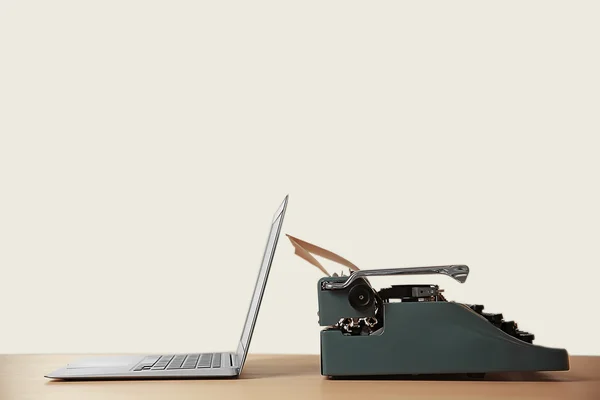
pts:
pixel 182 366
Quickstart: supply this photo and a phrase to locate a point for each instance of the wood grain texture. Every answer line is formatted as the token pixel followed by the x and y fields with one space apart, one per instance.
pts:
pixel 289 377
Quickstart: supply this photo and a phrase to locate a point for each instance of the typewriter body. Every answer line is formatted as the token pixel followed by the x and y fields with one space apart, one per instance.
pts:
pixel 414 330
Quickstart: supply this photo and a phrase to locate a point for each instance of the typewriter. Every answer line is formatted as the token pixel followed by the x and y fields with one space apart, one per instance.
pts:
pixel 412 329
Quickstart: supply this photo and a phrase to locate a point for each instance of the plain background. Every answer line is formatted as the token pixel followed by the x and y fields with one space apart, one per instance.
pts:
pixel 146 144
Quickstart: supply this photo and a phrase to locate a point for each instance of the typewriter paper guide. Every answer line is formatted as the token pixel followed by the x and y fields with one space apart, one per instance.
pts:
pixel 306 250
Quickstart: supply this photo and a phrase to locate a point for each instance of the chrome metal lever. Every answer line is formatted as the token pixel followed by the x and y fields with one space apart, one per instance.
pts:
pixel 457 272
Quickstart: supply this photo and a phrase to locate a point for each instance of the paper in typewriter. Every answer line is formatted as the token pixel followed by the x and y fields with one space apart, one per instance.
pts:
pixel 306 250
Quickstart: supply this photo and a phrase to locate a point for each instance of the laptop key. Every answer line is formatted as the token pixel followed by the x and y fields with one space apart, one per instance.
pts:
pixel 205 361
pixel 217 361
pixel 190 362
pixel 177 362
pixel 146 363
pixel 162 363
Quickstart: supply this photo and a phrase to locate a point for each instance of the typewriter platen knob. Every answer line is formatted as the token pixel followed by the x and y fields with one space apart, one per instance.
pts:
pixel 361 297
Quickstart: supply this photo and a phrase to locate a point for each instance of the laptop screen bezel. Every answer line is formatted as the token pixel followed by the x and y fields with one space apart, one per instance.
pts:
pixel 276 224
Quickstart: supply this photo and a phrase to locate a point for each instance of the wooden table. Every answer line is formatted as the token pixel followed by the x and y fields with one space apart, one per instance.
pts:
pixel 288 377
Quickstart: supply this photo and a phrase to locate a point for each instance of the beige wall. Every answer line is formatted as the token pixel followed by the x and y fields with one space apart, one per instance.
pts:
pixel 145 145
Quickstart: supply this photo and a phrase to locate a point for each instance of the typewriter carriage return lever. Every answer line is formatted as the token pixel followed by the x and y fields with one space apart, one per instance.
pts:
pixel 457 272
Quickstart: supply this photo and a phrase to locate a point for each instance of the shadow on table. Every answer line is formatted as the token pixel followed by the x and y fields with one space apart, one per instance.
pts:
pixel 491 377
pixel 264 368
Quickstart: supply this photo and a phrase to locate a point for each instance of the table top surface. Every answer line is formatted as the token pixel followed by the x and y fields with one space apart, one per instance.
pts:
pixel 295 377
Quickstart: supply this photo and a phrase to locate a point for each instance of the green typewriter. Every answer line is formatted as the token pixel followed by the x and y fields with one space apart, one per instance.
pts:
pixel 412 329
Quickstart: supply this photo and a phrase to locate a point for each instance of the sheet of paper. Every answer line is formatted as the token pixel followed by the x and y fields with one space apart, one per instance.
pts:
pixel 306 250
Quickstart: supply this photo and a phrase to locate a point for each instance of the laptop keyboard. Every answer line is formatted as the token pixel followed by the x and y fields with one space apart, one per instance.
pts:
pixel 179 361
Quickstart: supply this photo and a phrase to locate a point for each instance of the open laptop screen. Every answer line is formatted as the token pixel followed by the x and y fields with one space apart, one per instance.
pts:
pixel 261 282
